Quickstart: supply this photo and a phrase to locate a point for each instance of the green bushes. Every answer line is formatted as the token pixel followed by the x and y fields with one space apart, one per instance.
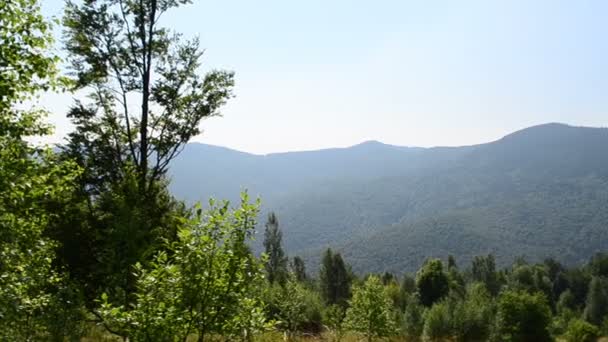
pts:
pixel 438 322
pixel 370 312
pixel 207 284
pixel 522 316
pixel 581 331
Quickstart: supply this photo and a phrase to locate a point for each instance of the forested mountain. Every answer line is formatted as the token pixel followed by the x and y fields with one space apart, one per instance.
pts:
pixel 541 191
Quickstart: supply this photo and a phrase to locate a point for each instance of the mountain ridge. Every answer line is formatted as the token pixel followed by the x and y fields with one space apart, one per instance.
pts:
pixel 385 205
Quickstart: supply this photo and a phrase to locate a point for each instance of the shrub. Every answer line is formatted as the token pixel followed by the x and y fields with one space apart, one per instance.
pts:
pixel 581 331
pixel 522 316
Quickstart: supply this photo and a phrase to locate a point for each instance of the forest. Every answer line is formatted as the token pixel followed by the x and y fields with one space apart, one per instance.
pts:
pixel 95 247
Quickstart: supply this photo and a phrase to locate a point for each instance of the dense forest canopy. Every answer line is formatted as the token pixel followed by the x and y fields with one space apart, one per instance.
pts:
pixel 95 245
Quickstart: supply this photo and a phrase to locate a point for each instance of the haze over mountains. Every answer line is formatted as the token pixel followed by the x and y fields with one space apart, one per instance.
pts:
pixel 538 192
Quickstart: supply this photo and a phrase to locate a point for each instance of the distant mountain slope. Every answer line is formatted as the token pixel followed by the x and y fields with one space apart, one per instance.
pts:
pixel 537 192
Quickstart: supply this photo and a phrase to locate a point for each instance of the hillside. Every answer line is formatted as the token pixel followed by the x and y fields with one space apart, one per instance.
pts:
pixel 537 192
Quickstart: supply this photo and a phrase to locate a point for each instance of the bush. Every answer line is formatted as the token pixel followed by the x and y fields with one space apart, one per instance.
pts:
pixel 370 311
pixel 522 316
pixel 472 318
pixel 413 318
pixel 438 321
pixel 581 331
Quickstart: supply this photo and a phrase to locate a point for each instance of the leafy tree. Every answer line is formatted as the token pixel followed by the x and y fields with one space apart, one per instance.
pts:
pixel 456 281
pixel 298 268
pixel 472 318
pixel 438 321
pixel 596 306
pixel 522 316
pixel 413 318
pixel 565 302
pixel 276 265
pixel 36 302
pixel 291 307
pixel 532 278
pixel 206 285
pixel 334 279
pixel 406 290
pixel 118 49
pixel 370 310
pixel 146 102
pixel 484 270
pixel 578 283
pixel 431 282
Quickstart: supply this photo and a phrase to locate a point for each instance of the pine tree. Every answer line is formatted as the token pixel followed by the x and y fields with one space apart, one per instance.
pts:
pixel 299 269
pixel 276 265
pixel 335 279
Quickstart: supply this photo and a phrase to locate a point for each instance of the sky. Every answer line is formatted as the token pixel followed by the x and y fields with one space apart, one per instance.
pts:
pixel 316 74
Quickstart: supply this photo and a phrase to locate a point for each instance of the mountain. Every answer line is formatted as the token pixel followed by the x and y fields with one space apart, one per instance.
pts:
pixel 538 192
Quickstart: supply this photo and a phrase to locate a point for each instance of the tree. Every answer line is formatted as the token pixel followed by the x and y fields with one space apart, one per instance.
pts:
pixel 370 310
pixel 118 49
pixel 298 268
pixel 276 265
pixel 598 265
pixel 35 300
pixel 146 102
pixel 596 306
pixel 522 316
pixel 431 282
pixel 413 318
pixel 472 317
pixel 206 285
pixel 484 270
pixel 438 321
pixel 334 279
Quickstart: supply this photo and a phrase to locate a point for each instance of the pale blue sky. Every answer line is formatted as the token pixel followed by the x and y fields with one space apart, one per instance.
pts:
pixel 314 74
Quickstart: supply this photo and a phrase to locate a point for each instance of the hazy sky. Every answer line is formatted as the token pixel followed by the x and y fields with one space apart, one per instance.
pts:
pixel 325 73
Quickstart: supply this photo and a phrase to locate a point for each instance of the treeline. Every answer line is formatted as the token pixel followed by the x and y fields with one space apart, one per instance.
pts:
pixel 92 243
pixel 441 301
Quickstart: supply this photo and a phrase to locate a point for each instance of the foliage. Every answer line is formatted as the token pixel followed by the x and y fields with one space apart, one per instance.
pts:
pixel 522 316
pixel 36 301
pixel 438 321
pixel 146 101
pixel 596 307
pixel 581 331
pixel 413 318
pixel 334 278
pixel 431 282
pixel 206 285
pixel 276 264
pixel 119 50
pixel 370 311
pixel 298 268
pixel 484 270
pixel 472 318
pixel 334 316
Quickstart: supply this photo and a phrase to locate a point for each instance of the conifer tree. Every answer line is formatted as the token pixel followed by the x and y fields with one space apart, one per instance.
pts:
pixel 298 268
pixel 276 265
pixel 335 279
